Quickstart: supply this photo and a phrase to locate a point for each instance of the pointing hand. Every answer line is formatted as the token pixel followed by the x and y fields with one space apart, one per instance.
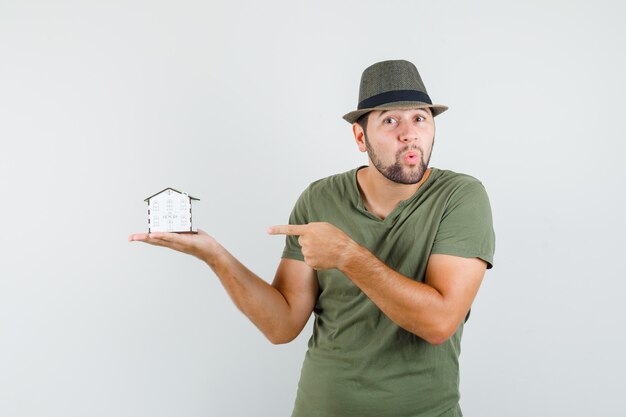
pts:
pixel 324 246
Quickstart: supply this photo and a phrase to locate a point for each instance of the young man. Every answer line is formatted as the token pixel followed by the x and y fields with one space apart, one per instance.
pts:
pixel 388 256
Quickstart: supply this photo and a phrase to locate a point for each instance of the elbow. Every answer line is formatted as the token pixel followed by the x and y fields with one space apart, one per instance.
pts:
pixel 279 341
pixel 439 334
pixel 281 332
pixel 436 340
pixel 280 338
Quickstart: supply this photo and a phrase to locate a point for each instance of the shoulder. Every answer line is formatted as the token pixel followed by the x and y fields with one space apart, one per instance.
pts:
pixel 451 188
pixel 453 183
pixel 341 183
pixel 450 178
pixel 330 194
pixel 466 225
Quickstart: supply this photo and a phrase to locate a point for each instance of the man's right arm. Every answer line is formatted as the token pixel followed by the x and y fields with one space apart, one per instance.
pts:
pixel 280 310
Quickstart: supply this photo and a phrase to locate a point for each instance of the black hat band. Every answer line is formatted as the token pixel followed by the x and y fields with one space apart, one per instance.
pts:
pixel 392 96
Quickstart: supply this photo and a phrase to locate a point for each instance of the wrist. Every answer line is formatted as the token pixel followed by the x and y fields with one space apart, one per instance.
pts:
pixel 350 255
pixel 212 253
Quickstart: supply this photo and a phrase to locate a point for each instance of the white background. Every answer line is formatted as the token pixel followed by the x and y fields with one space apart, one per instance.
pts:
pixel 239 103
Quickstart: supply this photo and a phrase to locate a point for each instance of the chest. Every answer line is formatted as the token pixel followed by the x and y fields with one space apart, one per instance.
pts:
pixel 403 241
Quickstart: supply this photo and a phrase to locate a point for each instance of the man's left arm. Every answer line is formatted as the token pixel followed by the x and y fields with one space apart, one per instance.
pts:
pixel 431 310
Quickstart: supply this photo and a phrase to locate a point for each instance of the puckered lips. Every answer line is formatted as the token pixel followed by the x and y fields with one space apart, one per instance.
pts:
pixel 412 157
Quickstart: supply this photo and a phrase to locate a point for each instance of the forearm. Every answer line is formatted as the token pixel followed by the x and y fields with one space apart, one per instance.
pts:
pixel 412 305
pixel 263 304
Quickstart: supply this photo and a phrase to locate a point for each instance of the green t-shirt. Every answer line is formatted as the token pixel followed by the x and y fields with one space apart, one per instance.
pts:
pixel 359 362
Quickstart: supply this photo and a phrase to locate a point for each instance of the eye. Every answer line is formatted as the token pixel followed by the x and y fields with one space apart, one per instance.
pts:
pixel 389 121
pixel 420 118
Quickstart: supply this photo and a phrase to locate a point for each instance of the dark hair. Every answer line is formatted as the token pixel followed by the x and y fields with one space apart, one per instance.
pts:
pixel 362 121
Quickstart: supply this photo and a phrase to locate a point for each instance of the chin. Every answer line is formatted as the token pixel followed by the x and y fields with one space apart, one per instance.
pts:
pixel 402 175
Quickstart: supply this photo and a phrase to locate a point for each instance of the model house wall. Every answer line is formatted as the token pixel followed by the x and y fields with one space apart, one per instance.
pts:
pixel 170 210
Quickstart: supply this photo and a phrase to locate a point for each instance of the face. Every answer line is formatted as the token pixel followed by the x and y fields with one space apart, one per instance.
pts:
pixel 399 143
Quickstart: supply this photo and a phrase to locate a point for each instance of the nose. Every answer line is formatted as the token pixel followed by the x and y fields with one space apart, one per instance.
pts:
pixel 408 134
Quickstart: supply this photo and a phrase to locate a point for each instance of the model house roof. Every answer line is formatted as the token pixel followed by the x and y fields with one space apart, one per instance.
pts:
pixel 170 188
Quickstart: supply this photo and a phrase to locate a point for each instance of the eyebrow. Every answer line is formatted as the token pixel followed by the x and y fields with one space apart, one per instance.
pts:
pixel 383 113
pixel 424 109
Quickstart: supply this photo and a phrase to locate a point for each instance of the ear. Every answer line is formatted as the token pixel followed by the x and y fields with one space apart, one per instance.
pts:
pixel 359 136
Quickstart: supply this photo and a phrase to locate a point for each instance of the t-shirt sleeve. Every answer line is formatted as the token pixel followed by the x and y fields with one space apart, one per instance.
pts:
pixel 299 215
pixel 466 227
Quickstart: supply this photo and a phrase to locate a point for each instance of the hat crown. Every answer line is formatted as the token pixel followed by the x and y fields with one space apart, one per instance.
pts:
pixel 388 76
pixel 390 85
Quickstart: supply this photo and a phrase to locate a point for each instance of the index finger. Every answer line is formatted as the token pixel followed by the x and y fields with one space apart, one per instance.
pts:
pixel 288 229
pixel 138 236
pixel 145 237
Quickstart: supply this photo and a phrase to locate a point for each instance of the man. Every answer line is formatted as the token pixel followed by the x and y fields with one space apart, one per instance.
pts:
pixel 388 256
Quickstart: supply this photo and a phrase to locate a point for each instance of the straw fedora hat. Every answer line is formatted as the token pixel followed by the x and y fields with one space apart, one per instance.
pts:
pixel 391 85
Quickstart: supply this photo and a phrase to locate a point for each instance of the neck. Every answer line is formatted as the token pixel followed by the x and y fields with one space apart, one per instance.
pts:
pixel 381 195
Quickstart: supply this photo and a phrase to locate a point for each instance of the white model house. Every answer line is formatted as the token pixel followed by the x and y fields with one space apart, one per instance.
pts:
pixel 169 210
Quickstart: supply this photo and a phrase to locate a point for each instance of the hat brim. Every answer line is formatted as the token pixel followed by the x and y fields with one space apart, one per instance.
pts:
pixel 437 109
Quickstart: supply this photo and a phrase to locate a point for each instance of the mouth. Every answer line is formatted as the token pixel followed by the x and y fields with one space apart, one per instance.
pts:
pixel 412 157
